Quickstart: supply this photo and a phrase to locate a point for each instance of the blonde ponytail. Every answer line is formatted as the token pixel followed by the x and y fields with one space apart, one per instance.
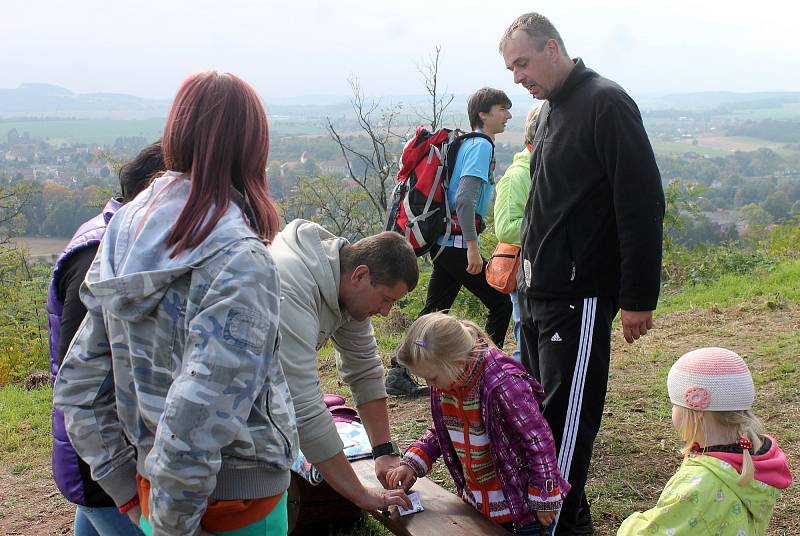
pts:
pixel 693 426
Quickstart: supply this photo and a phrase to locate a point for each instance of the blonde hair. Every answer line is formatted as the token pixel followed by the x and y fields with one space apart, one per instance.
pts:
pixel 694 425
pixel 440 340
pixel 530 123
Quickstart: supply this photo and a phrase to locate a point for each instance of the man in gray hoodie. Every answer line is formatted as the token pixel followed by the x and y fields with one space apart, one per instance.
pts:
pixel 329 290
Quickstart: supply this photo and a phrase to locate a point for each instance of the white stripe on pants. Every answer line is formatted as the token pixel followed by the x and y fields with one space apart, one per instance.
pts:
pixel 572 422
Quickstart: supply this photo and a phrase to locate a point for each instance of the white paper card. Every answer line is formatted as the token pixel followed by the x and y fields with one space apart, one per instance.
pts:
pixel 416 505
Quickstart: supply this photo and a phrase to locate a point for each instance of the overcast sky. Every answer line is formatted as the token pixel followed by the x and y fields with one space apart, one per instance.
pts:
pixel 310 47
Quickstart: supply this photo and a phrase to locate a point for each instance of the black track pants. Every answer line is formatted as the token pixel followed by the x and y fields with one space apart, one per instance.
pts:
pixel 566 345
pixel 450 274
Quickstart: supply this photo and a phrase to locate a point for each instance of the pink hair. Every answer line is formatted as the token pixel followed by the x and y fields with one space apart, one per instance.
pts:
pixel 217 133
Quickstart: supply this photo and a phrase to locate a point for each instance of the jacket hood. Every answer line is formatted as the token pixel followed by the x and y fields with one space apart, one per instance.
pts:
pixel 318 249
pixel 133 269
pixel 771 468
pixel 522 158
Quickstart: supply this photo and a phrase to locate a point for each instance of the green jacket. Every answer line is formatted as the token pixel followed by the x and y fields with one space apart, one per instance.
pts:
pixel 703 499
pixel 511 198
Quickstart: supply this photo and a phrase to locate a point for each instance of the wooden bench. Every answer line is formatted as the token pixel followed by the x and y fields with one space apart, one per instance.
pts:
pixel 445 514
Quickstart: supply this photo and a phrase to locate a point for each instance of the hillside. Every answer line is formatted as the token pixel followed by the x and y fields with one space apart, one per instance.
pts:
pixel 758 315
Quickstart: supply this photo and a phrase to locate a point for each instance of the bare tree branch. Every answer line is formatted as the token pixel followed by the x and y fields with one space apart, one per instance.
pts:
pixel 371 169
pixel 439 100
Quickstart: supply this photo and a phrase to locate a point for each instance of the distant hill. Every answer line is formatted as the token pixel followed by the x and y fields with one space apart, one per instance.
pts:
pixel 52 101
pixel 47 100
pixel 718 99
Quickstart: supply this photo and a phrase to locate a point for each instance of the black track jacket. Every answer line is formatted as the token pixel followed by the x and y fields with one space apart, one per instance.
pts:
pixel 593 222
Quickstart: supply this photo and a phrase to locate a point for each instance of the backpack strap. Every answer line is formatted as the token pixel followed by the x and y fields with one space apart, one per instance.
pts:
pixel 458 138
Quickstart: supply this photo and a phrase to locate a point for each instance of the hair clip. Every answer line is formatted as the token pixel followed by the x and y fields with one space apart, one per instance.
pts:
pixel 745 443
pixel 421 343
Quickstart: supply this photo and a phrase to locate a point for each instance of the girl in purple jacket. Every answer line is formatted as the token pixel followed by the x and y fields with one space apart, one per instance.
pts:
pixel 487 426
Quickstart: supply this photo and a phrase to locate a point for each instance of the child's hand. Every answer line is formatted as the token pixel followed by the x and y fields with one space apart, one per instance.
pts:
pixel 401 476
pixel 546 518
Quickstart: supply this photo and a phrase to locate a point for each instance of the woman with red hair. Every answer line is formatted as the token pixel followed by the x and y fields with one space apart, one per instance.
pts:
pixel 171 389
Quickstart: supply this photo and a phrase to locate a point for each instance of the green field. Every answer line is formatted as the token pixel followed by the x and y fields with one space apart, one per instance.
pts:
pixel 720 146
pixel 105 131
pixel 678 147
pixel 79 131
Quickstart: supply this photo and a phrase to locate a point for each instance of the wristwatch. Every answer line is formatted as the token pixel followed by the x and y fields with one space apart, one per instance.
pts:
pixel 385 449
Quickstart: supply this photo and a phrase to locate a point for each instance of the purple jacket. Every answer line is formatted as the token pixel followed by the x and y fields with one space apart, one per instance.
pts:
pixel 70 473
pixel 519 437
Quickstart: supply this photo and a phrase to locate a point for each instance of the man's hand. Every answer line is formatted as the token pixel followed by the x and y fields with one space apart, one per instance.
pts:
pixel 384 464
pixel 474 259
pixel 635 324
pixel 401 477
pixel 380 499
pixel 545 518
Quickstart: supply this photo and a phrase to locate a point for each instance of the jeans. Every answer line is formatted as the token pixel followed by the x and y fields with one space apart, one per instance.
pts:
pixel 105 521
pixel 515 316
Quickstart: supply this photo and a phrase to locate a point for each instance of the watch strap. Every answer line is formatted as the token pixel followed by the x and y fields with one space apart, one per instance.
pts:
pixel 385 449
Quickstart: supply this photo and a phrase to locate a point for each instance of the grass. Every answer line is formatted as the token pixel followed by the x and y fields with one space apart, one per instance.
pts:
pixel 770 289
pixel 24 427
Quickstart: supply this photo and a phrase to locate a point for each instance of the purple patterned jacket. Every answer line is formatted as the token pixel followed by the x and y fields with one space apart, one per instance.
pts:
pixel 519 437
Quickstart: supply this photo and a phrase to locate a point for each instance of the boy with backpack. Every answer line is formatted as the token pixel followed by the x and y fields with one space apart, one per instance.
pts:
pixel 457 260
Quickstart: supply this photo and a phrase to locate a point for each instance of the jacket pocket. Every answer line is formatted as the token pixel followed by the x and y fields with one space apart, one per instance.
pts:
pixel 555 268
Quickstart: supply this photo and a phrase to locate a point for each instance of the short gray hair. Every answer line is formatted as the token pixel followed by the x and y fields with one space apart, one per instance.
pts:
pixel 530 123
pixel 539 29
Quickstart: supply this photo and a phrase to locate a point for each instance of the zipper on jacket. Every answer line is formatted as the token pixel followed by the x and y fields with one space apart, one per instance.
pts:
pixel 288 445
pixel 541 148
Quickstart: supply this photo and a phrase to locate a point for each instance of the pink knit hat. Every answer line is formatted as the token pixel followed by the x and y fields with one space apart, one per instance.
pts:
pixel 711 379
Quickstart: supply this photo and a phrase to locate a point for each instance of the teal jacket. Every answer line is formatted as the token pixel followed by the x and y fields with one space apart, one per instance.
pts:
pixel 173 374
pixel 511 198
pixel 704 499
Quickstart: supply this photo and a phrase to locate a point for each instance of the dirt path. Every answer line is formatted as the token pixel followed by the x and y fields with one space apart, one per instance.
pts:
pixel 30 504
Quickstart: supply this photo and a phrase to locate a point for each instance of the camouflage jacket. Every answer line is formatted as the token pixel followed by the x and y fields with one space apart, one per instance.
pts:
pixel 173 373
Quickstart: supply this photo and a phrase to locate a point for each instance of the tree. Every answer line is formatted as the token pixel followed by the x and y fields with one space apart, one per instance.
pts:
pixel 341 208
pixel 680 209
pixel 755 216
pixel 371 160
pixel 439 100
pixel 13 201
pixel 378 160
pixel 778 205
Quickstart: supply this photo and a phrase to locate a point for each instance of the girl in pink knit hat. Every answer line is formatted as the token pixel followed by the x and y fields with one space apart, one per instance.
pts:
pixel 732 471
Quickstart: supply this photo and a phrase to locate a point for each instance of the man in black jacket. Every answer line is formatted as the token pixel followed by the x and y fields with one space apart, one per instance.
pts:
pixel 591 241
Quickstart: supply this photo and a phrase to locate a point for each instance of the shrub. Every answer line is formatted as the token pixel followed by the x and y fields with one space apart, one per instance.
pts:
pixel 23 319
